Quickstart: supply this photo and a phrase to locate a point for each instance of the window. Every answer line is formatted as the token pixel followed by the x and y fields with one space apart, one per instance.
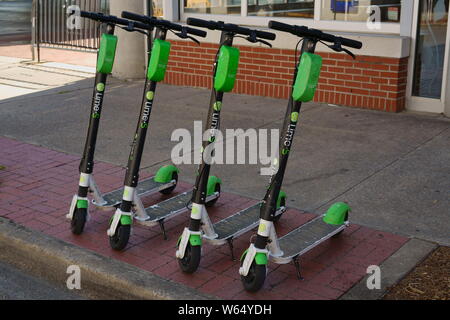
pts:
pixel 337 15
pixel 361 10
pixel 281 8
pixel 157 8
pixel 213 6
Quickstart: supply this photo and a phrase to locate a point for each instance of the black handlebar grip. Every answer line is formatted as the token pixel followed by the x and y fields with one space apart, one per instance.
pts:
pixel 202 23
pixel 89 15
pixel 134 16
pixel 196 32
pixel 138 25
pixel 281 26
pixel 265 35
pixel 350 43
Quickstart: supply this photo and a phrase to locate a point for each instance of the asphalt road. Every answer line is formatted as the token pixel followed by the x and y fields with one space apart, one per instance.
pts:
pixel 15 22
pixel 17 285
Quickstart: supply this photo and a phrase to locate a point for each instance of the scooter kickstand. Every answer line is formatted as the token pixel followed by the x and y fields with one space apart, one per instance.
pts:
pixel 163 229
pixel 297 267
pixel 230 245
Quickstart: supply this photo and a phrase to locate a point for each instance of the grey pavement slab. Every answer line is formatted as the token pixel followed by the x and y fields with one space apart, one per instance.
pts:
pixel 392 168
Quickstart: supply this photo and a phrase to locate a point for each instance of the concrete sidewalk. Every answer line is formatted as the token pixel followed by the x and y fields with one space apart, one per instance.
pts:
pixel 394 169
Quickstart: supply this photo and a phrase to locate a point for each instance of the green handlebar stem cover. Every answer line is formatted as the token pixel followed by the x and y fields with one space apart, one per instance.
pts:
pixel 307 77
pixel 106 53
pixel 158 60
pixel 227 66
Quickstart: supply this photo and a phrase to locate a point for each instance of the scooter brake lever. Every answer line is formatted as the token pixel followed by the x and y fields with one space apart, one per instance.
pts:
pixel 185 36
pixel 349 53
pixel 338 48
pixel 131 28
pixel 265 42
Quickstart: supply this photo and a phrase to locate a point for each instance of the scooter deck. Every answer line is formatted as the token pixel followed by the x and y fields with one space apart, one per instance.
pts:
pixel 303 239
pixel 171 207
pixel 144 187
pixel 238 223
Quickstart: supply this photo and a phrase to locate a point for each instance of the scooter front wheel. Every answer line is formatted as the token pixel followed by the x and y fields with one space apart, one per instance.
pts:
pixel 78 220
pixel 120 238
pixel 254 280
pixel 191 260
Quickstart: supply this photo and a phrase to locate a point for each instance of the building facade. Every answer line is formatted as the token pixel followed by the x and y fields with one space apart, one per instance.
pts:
pixel 404 63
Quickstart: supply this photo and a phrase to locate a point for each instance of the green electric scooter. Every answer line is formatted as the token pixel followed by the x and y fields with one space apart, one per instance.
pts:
pixel 200 226
pixel 120 224
pixel 158 213
pixel 79 209
pixel 290 247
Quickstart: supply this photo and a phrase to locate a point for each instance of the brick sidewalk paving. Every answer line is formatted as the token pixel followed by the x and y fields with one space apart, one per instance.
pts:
pixel 37 185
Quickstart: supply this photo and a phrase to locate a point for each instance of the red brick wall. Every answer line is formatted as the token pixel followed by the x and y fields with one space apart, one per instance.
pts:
pixel 368 82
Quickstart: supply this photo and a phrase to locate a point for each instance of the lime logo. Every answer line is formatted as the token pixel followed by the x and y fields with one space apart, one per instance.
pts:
pixel 294 116
pixel 150 95
pixel 262 228
pixel 95 115
pixel 144 125
pixel 212 139
pixel 100 87
pixel 284 151
pixel 217 105
pixel 126 193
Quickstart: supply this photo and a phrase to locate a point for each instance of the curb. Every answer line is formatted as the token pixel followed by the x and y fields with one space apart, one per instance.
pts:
pixel 101 277
pixel 393 269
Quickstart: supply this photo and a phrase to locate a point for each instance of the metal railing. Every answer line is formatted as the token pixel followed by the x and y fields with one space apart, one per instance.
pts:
pixel 50 24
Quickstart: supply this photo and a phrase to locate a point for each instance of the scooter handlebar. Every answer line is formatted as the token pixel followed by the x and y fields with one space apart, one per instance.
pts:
pixel 162 23
pixel 229 27
pixel 302 31
pixel 97 16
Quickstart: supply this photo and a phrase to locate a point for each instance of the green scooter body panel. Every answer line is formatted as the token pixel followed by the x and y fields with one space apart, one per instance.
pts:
pixel 126 220
pixel 164 174
pixel 158 60
pixel 336 213
pixel 212 182
pixel 227 66
pixel 195 240
pixel 307 77
pixel 106 53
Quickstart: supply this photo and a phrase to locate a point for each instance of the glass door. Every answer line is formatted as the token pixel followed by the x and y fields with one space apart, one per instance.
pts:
pixel 430 56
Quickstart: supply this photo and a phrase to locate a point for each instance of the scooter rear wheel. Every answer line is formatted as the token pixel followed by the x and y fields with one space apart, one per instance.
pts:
pixel 120 239
pixel 213 202
pixel 191 260
pixel 78 220
pixel 282 204
pixel 169 190
pixel 255 278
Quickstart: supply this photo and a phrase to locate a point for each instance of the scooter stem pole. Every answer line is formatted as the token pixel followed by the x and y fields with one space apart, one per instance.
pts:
pixel 212 124
pixel 137 147
pixel 269 206
pixel 87 160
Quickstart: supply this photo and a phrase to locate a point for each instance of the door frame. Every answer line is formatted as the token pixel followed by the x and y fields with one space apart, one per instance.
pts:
pixel 422 104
